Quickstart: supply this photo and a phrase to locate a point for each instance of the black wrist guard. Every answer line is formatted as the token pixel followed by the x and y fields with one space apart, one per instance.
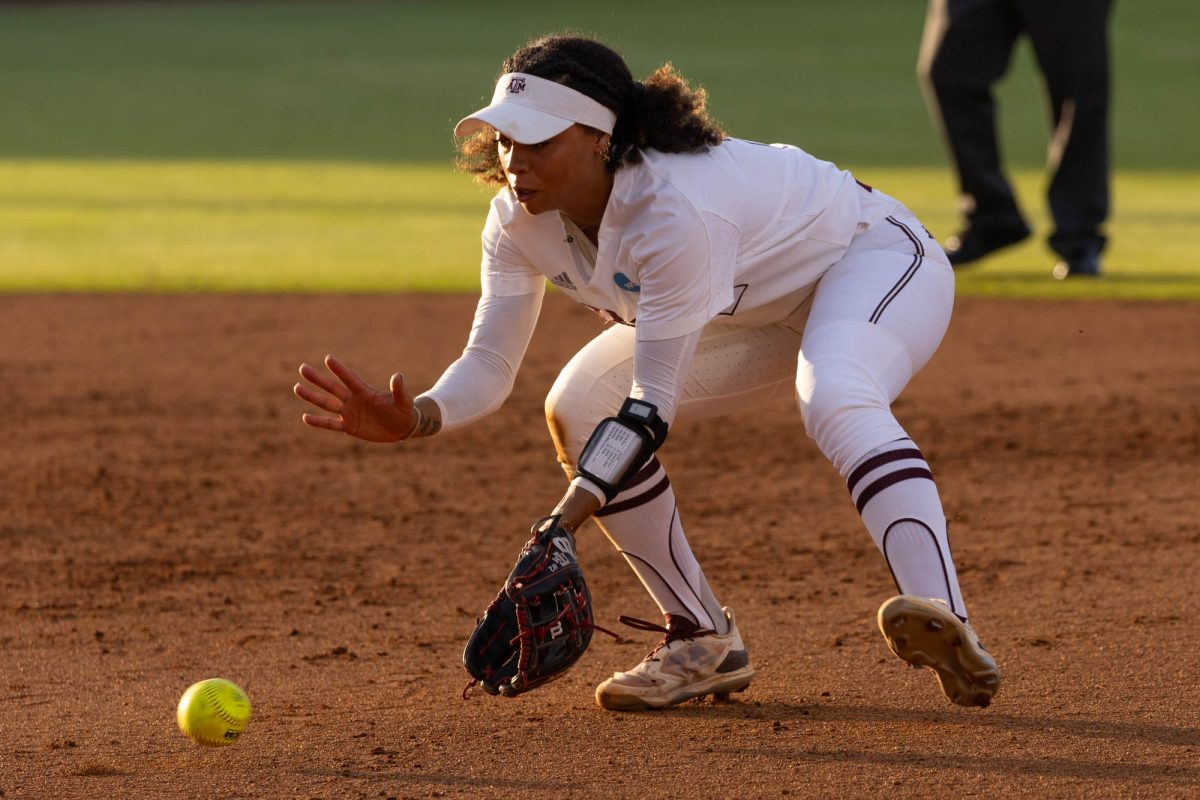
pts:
pixel 622 445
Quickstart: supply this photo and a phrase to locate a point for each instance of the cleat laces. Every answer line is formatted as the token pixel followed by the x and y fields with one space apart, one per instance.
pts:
pixel 677 628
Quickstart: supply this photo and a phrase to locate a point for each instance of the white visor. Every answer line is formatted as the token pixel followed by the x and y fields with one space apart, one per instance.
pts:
pixel 529 109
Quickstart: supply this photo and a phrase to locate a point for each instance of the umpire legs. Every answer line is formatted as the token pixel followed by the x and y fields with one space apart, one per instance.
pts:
pixel 1071 44
pixel 967 48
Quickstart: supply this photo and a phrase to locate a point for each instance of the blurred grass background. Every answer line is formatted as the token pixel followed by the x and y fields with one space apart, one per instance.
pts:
pixel 281 146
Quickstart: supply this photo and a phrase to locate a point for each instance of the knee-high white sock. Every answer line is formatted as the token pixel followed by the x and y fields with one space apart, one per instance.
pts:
pixel 643 524
pixel 894 491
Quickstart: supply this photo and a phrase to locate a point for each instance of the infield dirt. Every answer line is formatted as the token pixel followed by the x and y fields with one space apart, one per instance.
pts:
pixel 166 518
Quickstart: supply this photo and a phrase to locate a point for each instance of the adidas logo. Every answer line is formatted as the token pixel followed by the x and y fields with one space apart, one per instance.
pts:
pixel 563 281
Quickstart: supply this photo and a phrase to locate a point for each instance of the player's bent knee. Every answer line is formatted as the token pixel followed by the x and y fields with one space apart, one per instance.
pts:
pixel 570 418
pixel 846 419
pixel 829 404
pixel 560 421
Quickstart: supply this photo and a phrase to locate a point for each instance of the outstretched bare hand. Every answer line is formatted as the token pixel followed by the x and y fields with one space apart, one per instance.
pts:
pixel 359 409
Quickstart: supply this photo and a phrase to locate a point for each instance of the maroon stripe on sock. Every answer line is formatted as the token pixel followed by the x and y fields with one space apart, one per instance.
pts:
pixel 631 557
pixel 875 462
pixel 679 570
pixel 634 502
pixel 644 474
pixel 891 479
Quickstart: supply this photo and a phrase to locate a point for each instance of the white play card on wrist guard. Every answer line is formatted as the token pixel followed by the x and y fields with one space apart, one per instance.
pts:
pixel 611 452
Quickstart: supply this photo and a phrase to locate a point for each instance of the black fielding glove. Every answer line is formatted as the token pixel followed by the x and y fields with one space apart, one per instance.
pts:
pixel 540 622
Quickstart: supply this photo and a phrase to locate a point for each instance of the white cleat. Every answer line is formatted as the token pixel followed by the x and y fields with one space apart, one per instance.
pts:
pixel 926 633
pixel 687 663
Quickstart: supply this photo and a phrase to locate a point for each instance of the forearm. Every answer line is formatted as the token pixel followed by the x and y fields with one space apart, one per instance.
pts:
pixel 576 506
pixel 478 382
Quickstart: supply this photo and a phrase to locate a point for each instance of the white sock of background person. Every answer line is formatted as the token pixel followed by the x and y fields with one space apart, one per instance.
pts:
pixel 643 523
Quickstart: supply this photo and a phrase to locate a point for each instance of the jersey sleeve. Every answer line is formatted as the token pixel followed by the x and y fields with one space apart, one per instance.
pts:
pixel 504 270
pixel 482 378
pixel 660 367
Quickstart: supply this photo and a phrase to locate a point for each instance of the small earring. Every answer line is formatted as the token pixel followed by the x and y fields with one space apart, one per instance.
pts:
pixel 606 153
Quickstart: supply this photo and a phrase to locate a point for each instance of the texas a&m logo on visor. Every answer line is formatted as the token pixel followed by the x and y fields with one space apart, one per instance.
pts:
pixel 516 85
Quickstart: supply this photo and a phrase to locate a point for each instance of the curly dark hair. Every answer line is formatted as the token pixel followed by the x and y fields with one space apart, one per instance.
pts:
pixel 662 112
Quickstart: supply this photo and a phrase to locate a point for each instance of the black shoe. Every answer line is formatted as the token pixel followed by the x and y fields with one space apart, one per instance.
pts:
pixel 1086 265
pixel 973 244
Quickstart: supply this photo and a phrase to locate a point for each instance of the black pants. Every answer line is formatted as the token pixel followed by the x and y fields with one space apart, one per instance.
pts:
pixel 1070 40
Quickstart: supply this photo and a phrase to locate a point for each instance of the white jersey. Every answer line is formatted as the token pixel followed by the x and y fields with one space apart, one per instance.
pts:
pixel 741 232
pixel 686 238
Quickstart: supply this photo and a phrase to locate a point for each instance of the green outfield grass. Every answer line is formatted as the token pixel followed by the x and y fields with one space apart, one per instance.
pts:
pixel 328 226
pixel 306 146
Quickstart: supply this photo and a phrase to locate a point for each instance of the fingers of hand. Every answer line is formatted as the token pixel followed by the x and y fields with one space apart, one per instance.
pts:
pixel 327 423
pixel 321 400
pixel 399 392
pixel 347 376
pixel 323 381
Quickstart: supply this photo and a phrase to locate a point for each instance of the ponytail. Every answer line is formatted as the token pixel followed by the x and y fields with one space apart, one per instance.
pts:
pixel 662 113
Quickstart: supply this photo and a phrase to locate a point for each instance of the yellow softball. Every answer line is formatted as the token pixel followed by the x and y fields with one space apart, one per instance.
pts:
pixel 213 712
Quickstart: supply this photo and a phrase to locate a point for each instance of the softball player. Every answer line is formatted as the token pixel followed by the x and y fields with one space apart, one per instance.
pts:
pixel 732 271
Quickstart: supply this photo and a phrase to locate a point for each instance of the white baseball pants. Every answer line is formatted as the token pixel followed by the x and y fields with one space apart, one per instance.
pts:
pixel 847 351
